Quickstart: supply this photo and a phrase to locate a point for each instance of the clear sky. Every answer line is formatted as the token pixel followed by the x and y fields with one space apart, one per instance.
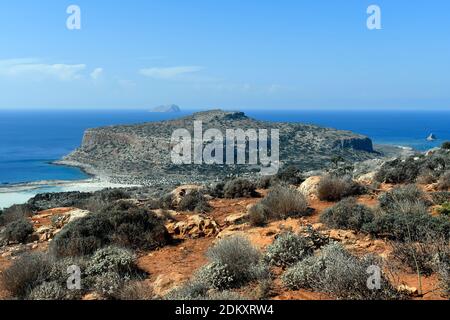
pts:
pixel 276 54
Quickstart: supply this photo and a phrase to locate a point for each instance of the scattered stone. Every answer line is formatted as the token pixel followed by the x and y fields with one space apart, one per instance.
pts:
pixel 236 218
pixel 165 283
pixel 196 226
pixel 309 187
pixel 411 291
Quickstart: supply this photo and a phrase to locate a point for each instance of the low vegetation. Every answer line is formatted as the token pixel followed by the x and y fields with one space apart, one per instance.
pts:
pixel 287 249
pixel 239 188
pixel 108 272
pixel 121 224
pixel 334 188
pixel 408 170
pixel 283 202
pixel 194 201
pixel 347 214
pixel 337 272
pixel 18 231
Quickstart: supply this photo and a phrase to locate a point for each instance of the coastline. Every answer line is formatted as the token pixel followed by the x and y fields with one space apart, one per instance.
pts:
pixel 19 193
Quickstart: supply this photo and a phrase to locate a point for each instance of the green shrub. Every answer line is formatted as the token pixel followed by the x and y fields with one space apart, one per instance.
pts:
pixel 194 201
pixel 265 182
pixel 287 249
pixel 258 215
pixel 290 175
pixel 333 188
pixel 15 213
pixel 122 224
pixel 388 201
pixel 399 171
pixel 18 231
pixel 337 272
pixel 216 190
pixel 239 188
pixel 112 259
pixel 444 209
pixel 347 214
pixel 410 222
pixel 444 181
pixel 48 291
pixel 440 197
pixel 216 275
pixel 283 202
pixel 238 255
pixel 304 275
pixel 195 290
pixel 191 290
pixel 30 270
pixel 108 284
pixel 446 145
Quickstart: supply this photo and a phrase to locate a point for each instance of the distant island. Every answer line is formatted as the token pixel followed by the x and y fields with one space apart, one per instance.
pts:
pixel 167 108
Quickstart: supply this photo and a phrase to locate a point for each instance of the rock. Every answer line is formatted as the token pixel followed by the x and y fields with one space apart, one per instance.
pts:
pixel 165 283
pixel 412 291
pixel 44 230
pixel 236 218
pixel 342 235
pixel 309 187
pixel 167 108
pixel 179 193
pixel 231 231
pixel 196 226
pixel 77 214
pixel 367 178
pixel 165 214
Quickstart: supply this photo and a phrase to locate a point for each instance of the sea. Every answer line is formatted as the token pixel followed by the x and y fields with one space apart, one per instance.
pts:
pixel 31 140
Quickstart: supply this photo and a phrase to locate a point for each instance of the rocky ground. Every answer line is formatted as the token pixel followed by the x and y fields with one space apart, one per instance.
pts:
pixel 174 264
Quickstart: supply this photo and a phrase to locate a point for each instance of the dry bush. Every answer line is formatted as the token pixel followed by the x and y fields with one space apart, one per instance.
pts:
pixel 18 231
pixel 25 273
pixel 194 201
pixel 239 188
pixel 283 202
pixel 258 215
pixel 15 213
pixel 444 181
pixel 440 197
pixel 333 188
pixel 339 273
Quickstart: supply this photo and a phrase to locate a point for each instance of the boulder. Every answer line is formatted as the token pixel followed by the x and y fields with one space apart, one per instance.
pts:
pixel 236 218
pixel 165 215
pixel 309 187
pixel 165 283
pixel 77 214
pixel 367 178
pixel 196 226
pixel 411 291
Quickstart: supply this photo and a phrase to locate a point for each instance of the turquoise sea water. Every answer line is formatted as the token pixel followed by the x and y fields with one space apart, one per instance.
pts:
pixel 29 140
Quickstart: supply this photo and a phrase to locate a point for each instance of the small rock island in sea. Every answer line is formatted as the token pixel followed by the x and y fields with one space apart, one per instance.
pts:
pixel 167 108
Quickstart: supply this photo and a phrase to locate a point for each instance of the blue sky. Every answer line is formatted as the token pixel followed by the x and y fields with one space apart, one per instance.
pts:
pixel 225 53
